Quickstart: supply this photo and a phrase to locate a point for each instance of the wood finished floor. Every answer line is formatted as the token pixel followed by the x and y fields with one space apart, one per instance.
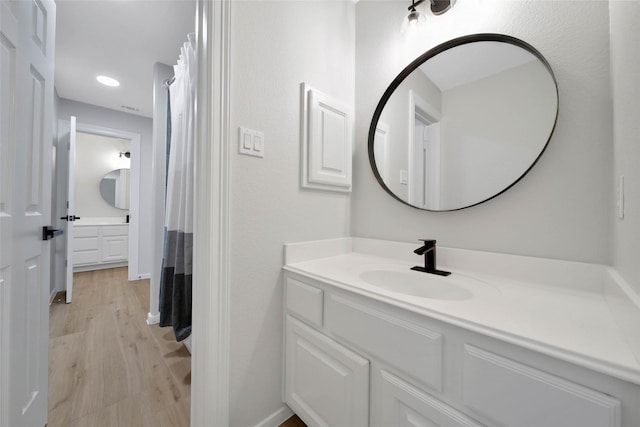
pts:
pixel 293 422
pixel 107 367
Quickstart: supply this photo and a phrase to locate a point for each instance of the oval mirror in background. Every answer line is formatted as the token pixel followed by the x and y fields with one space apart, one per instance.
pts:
pixel 114 188
pixel 463 122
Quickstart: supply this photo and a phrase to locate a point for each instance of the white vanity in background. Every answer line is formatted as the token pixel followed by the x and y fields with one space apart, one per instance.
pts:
pixel 505 340
pixel 100 243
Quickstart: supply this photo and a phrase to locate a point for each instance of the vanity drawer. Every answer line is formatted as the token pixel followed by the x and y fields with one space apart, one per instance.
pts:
pixel 85 257
pixel 115 230
pixel 509 393
pixel 82 231
pixel 409 348
pixel 304 301
pixel 85 243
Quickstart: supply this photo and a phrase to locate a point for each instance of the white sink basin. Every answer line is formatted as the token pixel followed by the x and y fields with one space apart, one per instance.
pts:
pixel 417 284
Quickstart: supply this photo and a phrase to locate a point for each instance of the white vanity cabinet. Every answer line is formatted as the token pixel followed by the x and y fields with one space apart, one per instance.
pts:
pixel 325 382
pixel 100 246
pixel 354 360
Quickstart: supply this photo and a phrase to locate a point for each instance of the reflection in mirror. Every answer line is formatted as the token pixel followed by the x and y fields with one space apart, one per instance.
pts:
pixel 463 123
pixel 114 188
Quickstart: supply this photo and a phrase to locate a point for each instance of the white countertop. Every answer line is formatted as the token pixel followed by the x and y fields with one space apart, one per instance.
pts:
pixel 569 310
pixel 93 221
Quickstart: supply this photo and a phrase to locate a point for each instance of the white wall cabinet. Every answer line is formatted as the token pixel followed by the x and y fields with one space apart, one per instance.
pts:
pixel 428 372
pixel 100 246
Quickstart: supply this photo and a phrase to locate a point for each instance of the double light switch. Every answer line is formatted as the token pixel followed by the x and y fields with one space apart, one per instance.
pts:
pixel 250 142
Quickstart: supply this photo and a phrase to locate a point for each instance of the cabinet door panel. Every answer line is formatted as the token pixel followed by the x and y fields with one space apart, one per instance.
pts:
pixel 515 395
pixel 326 384
pixel 404 405
pixel 114 249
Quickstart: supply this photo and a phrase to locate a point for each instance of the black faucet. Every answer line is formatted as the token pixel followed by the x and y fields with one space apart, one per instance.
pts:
pixel 429 252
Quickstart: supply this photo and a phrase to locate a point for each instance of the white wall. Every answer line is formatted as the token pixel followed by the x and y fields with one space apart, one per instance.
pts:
pixel 103 117
pixel 562 208
pixel 488 140
pixel 625 70
pixel 276 46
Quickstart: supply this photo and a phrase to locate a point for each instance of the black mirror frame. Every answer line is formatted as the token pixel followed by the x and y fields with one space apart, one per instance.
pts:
pixel 417 63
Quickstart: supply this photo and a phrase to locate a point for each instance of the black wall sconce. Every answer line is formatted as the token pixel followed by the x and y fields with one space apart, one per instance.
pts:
pixel 415 18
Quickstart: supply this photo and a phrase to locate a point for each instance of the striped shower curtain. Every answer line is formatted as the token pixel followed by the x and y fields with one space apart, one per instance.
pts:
pixel 176 276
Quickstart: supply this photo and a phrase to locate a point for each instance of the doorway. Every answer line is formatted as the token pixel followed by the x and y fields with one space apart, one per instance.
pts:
pixel 425 171
pixel 424 153
pixel 105 157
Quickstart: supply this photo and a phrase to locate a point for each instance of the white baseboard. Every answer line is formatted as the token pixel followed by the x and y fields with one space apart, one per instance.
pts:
pixel 187 343
pixel 152 319
pixel 91 267
pixel 52 296
pixel 277 418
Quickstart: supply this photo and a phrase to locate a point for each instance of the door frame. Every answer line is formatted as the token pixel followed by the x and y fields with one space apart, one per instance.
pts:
pixel 383 132
pixel 419 106
pixel 134 189
pixel 211 252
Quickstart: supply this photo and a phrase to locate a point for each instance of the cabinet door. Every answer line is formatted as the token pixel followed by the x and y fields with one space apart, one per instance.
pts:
pixel 404 405
pixel 511 394
pixel 326 384
pixel 114 248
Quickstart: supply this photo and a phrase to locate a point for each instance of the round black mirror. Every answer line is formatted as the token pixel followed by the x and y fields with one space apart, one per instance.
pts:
pixel 463 122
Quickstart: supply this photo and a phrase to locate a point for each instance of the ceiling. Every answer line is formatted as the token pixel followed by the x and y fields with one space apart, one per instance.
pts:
pixel 121 39
pixel 474 61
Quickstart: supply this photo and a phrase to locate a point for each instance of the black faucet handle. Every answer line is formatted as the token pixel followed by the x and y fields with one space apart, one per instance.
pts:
pixel 429 244
pixel 429 252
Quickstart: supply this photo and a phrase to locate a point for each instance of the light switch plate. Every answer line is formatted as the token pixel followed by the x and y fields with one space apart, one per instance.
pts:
pixel 404 177
pixel 250 142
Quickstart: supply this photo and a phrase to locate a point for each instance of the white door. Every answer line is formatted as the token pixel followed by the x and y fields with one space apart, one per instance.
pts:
pixel 26 131
pixel 70 217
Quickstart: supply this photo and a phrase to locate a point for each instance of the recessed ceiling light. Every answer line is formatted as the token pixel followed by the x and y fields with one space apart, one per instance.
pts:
pixel 108 81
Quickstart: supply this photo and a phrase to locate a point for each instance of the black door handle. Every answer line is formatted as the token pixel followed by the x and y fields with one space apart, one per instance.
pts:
pixel 49 233
pixel 70 217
